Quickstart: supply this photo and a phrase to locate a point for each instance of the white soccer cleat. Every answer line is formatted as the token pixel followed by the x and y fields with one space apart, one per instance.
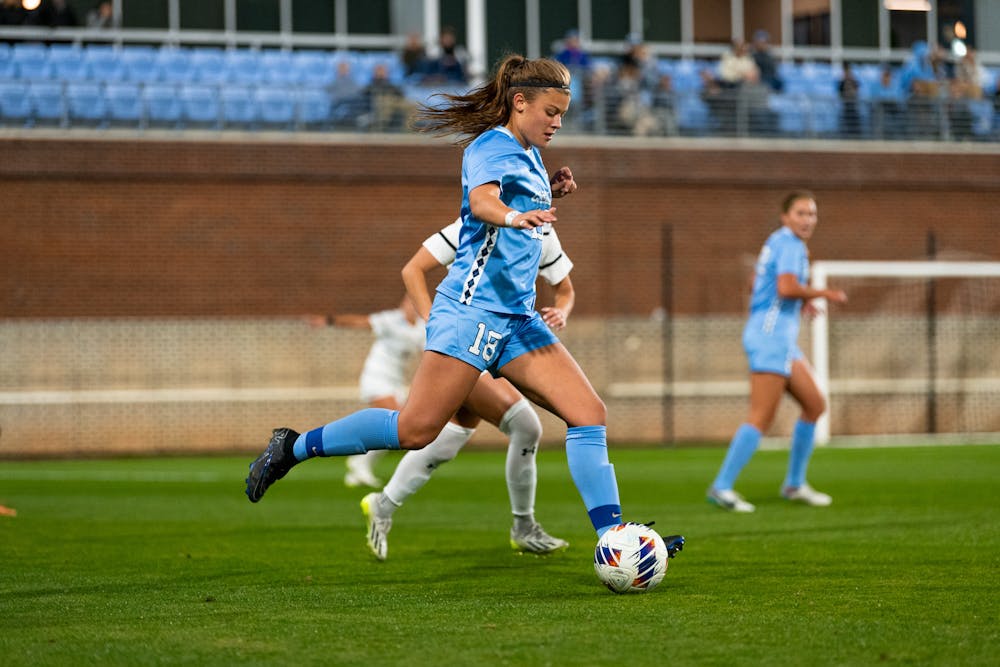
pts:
pixel 359 473
pixel 378 526
pixel 806 494
pixel 535 540
pixel 728 499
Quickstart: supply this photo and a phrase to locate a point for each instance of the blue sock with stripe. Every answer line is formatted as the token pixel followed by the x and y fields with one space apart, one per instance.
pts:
pixel 803 438
pixel 365 430
pixel 741 448
pixel 594 476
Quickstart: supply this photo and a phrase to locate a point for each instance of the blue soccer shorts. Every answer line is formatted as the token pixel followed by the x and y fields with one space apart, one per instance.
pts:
pixel 483 339
pixel 770 355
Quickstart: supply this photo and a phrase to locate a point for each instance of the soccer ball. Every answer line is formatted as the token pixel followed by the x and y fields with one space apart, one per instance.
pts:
pixel 630 558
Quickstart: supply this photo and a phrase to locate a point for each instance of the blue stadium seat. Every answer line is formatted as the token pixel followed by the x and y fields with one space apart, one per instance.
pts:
pixel 693 116
pixel 85 103
pixel 209 66
pixel 791 116
pixel 200 105
pixel 140 64
pixel 238 107
pixel 244 67
pixel 276 106
pixel 824 116
pixel 313 107
pixel 278 68
pixel 315 68
pixel 15 105
pixel 104 62
pixel 68 63
pixel 33 68
pixel 4 51
pixel 163 106
pixel 124 102
pixel 47 102
pixel 174 65
pixel 8 70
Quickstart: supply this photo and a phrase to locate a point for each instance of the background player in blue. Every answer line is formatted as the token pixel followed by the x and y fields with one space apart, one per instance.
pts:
pixel 777 365
pixel 483 316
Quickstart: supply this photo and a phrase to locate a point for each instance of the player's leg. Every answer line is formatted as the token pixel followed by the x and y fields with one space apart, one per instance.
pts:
pixel 766 390
pixel 550 377
pixel 803 387
pixel 497 401
pixel 414 470
pixel 439 386
pixel 361 467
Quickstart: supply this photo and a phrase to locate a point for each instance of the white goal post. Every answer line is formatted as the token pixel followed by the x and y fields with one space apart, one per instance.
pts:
pixel 820 327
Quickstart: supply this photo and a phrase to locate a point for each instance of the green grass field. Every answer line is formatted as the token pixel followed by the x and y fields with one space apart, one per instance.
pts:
pixel 163 561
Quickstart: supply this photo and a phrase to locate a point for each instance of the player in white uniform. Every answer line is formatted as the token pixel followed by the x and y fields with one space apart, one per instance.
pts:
pixel 399 339
pixel 493 399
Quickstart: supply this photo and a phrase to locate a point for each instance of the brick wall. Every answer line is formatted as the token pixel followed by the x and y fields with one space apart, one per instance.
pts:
pixel 150 287
pixel 161 228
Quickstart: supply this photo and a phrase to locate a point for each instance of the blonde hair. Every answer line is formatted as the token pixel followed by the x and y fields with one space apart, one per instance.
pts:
pixel 490 104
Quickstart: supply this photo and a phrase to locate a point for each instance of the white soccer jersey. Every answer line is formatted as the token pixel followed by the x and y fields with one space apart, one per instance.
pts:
pixel 397 343
pixel 553 266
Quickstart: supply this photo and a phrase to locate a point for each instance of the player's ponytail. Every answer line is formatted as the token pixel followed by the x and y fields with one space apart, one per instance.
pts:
pixel 490 104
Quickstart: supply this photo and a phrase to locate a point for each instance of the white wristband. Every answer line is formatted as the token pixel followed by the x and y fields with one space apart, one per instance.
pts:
pixel 508 220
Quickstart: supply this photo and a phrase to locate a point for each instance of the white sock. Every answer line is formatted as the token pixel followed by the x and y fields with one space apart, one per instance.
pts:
pixel 415 469
pixel 525 430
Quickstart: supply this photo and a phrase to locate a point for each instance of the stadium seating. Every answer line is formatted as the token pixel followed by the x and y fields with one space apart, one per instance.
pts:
pixel 276 107
pixel 86 103
pixel 238 107
pixel 162 105
pixel 48 104
pixel 124 103
pixel 15 105
pixel 200 106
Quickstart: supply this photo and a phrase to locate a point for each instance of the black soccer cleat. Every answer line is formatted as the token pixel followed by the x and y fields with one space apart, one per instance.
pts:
pixel 675 543
pixel 273 464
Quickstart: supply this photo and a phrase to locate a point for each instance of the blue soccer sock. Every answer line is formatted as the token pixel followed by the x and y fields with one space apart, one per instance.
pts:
pixel 371 428
pixel 741 449
pixel 594 476
pixel 803 439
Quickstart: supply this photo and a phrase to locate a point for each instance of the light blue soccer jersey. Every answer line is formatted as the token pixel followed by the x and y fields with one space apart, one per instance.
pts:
pixel 771 317
pixel 495 267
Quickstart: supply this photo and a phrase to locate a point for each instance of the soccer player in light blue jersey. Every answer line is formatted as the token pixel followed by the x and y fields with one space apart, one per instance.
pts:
pixel 770 339
pixel 483 317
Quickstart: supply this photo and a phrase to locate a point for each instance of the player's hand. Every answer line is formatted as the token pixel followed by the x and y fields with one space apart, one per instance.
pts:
pixel 554 317
pixel 811 311
pixel 836 295
pixel 535 218
pixel 562 183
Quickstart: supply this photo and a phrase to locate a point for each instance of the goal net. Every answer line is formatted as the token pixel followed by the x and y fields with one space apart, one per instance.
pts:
pixel 914 354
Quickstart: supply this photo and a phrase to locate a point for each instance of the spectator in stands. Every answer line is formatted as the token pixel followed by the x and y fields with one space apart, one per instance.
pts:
pixel 414 55
pixel 970 76
pixel 346 99
pixel 387 106
pixel 638 55
pixel 916 77
pixel 721 103
pixel 765 61
pixel 888 113
pixel 753 104
pixel 572 54
pixel 12 13
pixel 448 66
pixel 850 116
pixel 633 113
pixel 919 82
pixel 102 16
pixel 736 65
pixel 664 105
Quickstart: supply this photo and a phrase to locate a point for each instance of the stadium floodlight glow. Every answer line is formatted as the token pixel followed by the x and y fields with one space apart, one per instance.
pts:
pixel 30 5
pixel 908 5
